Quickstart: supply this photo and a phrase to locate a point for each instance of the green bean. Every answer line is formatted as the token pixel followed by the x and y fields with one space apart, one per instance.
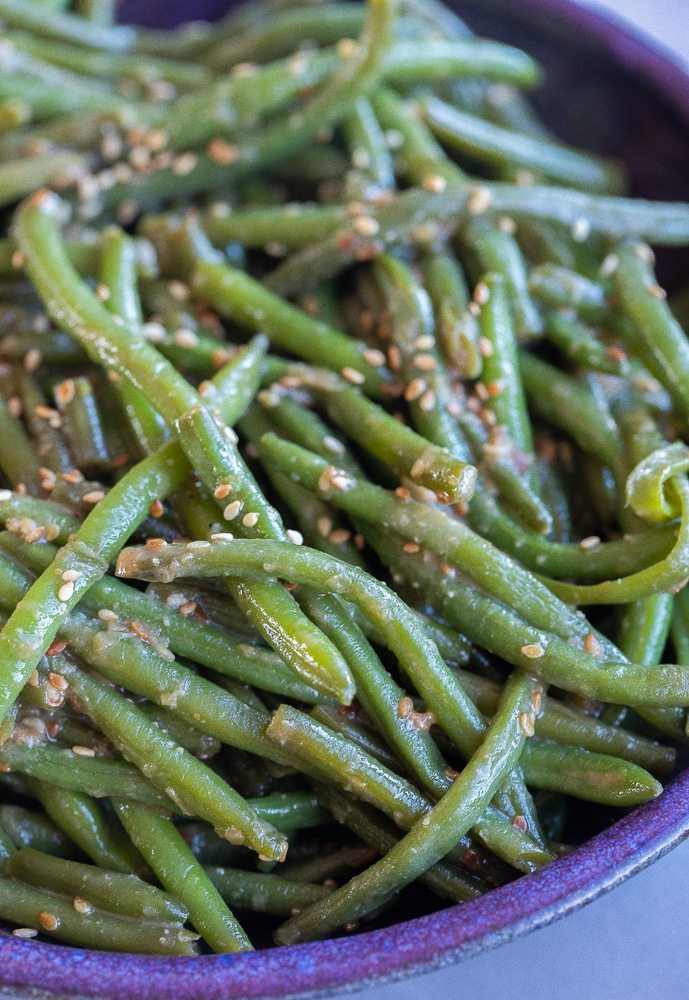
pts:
pixel 580 345
pixel 443 879
pixel 456 328
pixel 241 298
pixel 500 146
pixel 109 891
pixel 181 776
pixel 181 874
pixel 264 893
pixel 86 824
pixel 57 916
pixel 17 459
pixel 428 841
pixel 372 170
pixel 32 829
pixel 66 27
pixel 566 289
pixel 591 776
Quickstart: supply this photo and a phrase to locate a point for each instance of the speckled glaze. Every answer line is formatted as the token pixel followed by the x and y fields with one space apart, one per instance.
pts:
pixel 634 99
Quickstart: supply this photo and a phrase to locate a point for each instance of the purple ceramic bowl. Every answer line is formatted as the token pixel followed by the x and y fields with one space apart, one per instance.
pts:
pixel 613 92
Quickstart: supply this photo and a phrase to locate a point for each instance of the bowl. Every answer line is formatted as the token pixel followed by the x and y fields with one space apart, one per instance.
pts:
pixel 641 102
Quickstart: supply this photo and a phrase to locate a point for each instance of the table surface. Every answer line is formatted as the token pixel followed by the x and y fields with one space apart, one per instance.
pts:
pixel 632 943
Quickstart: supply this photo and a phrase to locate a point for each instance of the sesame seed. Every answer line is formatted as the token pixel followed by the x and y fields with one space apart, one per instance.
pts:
pixel 244 70
pixel 353 376
pixel 52 532
pixel 644 253
pixel 405 707
pixel 32 360
pixel 394 139
pixel 82 905
pixel 178 290
pixel 507 225
pixel 200 544
pixel 479 201
pixel 222 536
pixel 184 164
pixel 657 292
pixel 591 542
pixel 188 608
pixel 339 537
pixel 532 650
pixel 220 492
pixel 81 751
pixel 333 445
pixel 250 519
pixel 520 823
pixel 18 259
pixel 411 547
pixel 427 401
pixel 106 615
pixel 15 406
pixel 48 921
pixel 232 510
pixel 592 645
pixel 66 592
pixel 33 680
pixel 324 526
pixel 394 358
pixel 403 493
pixel 609 265
pixel 346 48
pixel 481 293
pixel 70 575
pixel 93 496
pixel 154 333
pixel 434 183
pixel 415 389
pixel 365 225
pixel 580 230
pixel 425 362
pixel 373 356
pixel 536 701
pixel 295 537
pixel 485 347
pixel 526 724
pixel 156 509
pixel 102 292
pixel 24 932
pixel 64 394
pixel 186 338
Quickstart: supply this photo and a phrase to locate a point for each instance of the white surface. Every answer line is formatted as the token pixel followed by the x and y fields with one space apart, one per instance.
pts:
pixel 632 944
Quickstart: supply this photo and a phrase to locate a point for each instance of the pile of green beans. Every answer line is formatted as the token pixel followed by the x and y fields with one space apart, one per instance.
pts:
pixel 344 513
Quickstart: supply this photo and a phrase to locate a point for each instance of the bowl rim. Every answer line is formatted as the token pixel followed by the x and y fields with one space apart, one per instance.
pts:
pixel 451 935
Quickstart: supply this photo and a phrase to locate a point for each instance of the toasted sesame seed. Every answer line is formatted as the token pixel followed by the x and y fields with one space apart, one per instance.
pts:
pixel 353 376
pixel 526 724
pixel 244 70
pixel 82 905
pixel 155 543
pixel 373 356
pixel 220 492
pixel 590 542
pixel 81 751
pixel 394 358
pixel 232 510
pixel 427 401
pixel 536 701
pixel 64 394
pixel 179 290
pixel 186 338
pixel 52 532
pixel 657 292
pixel 138 630
pixel 520 823
pixel 18 259
pixel 405 707
pixel 479 201
pixel 485 347
pixel 32 360
pixel 66 592
pixel 56 647
pixel 156 509
pixel 340 536
pixel 15 406
pixel 365 225
pixel 188 608
pixel 434 183
pixel 48 921
pixel 411 547
pixel 425 362
pixel 33 680
pixel 250 519
pixel 532 650
pixel 184 164
pixel 103 292
pixel 346 48
pixel 93 496
pixel 416 388
pixel 403 493
pixel 592 645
